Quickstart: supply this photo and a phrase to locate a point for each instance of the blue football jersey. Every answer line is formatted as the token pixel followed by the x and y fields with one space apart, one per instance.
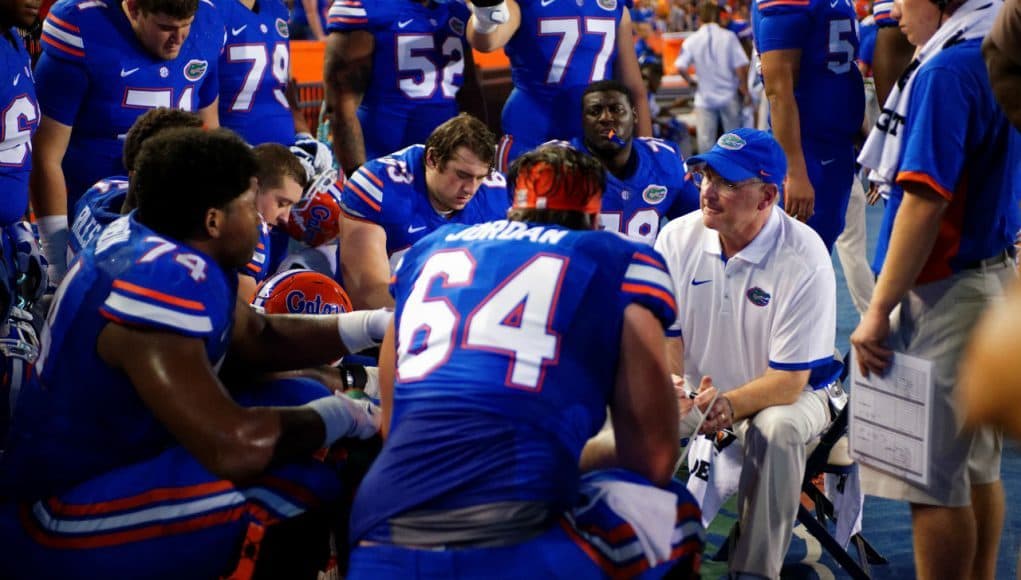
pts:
pixel 18 124
pixel 656 189
pixel 81 417
pixel 418 64
pixel 390 192
pixel 560 48
pixel 419 49
pixel 503 373
pixel 254 69
pixel 96 209
pixel 96 77
pixel 829 88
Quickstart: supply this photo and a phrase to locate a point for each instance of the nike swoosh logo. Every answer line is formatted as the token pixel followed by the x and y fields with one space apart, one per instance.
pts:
pixel 413 229
pixel 834 3
pixel 237 31
pixel 405 23
pixel 547 2
pixel 17 78
pixel 127 73
pixel 695 282
pixel 827 161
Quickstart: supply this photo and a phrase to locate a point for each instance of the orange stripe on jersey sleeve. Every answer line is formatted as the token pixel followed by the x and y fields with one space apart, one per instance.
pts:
pixel 648 259
pixel 784 3
pixel 346 20
pixel 372 177
pixel 650 291
pixel 62 47
pixel 157 295
pixel 925 179
pixel 368 200
pixel 65 25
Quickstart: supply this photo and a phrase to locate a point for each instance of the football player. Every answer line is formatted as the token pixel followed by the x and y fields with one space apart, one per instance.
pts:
pixel 645 177
pixel 21 111
pixel 108 199
pixel 816 103
pixel 392 202
pixel 254 71
pixel 494 376
pixel 129 457
pixel 395 70
pixel 103 65
pixel 556 48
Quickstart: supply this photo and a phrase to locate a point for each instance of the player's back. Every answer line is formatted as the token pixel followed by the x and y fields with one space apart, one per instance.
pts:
pixel 254 70
pixel 419 52
pixel 562 44
pixel 94 42
pixel 829 88
pixel 503 369
pixel 96 209
pixel 80 417
pixel 21 116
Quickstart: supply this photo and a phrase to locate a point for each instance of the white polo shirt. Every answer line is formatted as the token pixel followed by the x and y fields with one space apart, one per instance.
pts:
pixel 716 53
pixel 772 304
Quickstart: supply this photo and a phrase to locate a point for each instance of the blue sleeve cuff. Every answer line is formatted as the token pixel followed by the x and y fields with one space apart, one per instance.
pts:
pixel 800 366
pixel 674 333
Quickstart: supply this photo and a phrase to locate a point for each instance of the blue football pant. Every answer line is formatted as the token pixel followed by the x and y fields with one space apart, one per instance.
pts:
pixel 164 517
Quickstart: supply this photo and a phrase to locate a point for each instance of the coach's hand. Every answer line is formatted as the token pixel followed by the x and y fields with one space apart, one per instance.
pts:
pixel 868 343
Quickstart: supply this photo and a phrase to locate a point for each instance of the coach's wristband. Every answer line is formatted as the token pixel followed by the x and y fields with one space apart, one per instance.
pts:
pixel 335 417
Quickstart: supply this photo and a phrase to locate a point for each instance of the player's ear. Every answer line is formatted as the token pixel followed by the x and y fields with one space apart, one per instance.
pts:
pixel 430 158
pixel 132 8
pixel 214 222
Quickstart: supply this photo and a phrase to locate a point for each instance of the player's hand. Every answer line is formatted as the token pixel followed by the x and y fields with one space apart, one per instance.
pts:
pixel 868 343
pixel 799 197
pixel 294 102
pixel 489 14
pixel 365 417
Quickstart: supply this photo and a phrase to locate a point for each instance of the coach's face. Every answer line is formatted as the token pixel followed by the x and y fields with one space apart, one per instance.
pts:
pixel 603 112
pixel 453 184
pixel 160 34
pixel 732 207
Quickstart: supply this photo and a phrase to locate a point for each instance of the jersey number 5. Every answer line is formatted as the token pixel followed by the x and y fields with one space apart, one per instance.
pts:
pixel 515 319
pixel 417 76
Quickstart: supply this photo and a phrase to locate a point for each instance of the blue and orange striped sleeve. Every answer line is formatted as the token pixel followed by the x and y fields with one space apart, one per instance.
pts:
pixel 362 197
pixel 348 15
pixel 154 306
pixel 647 282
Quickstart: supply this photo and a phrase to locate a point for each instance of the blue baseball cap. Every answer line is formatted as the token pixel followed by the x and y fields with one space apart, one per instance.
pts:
pixel 745 154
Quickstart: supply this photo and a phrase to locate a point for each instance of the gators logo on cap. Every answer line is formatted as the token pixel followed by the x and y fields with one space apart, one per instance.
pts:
pixel 731 142
pixel 758 296
pixel 195 69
